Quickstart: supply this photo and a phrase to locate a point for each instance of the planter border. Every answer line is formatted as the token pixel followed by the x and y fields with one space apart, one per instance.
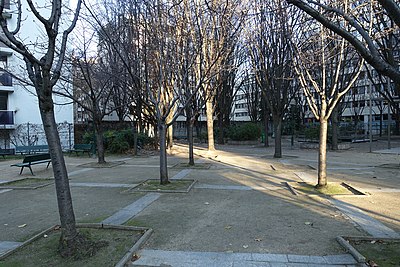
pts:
pixel 4 185
pixel 125 259
pixel 344 242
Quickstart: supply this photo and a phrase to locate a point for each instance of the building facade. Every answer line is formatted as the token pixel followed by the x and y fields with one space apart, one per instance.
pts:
pixel 20 121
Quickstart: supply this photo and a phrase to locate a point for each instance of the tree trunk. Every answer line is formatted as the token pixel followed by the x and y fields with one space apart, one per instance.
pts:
pixel 99 142
pixel 335 129
pixel 278 136
pixel 162 131
pixel 69 233
pixel 170 136
pixel 266 129
pixel 210 125
pixel 323 136
pixel 190 141
pixel 135 139
pixel 220 130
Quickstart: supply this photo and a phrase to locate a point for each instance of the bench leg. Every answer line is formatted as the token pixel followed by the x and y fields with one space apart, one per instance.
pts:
pixel 22 168
pixel 31 170
pixel 48 165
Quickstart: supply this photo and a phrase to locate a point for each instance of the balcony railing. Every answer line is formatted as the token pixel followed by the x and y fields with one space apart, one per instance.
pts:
pixel 5 79
pixel 6 118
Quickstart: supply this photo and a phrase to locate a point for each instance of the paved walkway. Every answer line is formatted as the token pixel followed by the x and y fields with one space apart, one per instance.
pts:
pixel 229 195
pixel 150 257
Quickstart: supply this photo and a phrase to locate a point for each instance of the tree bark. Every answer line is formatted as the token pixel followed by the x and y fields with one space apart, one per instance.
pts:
pixel 64 199
pixel 323 136
pixel 210 125
pixel 190 142
pixel 135 139
pixel 335 129
pixel 221 127
pixel 162 131
pixel 99 142
pixel 278 136
pixel 266 129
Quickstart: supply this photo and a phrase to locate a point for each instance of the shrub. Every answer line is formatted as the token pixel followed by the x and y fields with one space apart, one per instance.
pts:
pixel 118 145
pixel 120 141
pixel 244 132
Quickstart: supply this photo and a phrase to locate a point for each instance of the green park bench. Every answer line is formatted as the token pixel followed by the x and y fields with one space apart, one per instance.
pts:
pixel 23 150
pixel 6 151
pixel 30 160
pixel 84 148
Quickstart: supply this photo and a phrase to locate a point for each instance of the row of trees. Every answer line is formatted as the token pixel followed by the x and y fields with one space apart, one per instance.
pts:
pixel 155 60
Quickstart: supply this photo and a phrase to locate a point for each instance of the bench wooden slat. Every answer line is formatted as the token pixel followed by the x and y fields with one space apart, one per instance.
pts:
pixel 31 149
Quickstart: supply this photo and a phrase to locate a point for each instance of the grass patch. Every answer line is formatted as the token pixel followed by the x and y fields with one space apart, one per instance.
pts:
pixel 93 220
pixel 200 166
pixel 27 183
pixel 385 253
pixel 136 223
pixel 43 251
pixel 330 189
pixel 175 186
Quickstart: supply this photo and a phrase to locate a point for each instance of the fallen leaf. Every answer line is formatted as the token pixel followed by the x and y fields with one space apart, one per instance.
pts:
pixel 245 246
pixel 373 241
pixel 257 239
pixel 371 263
pixel 206 203
pixel 5 224
pixel 22 225
pixel 228 227
pixel 45 236
pixel 308 223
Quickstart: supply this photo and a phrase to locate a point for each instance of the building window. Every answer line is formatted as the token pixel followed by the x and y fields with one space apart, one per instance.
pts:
pixel 3 100
pixel 242 105
pixel 241 114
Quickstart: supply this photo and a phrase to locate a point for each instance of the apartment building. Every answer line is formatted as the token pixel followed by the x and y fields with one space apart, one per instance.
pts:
pixel 20 121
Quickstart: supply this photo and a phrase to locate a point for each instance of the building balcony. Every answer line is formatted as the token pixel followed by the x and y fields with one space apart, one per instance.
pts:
pixel 7 119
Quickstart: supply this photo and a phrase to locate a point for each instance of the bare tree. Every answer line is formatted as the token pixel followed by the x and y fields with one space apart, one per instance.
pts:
pixel 272 56
pixel 226 19
pixel 174 49
pixel 375 41
pixel 326 74
pixel 44 69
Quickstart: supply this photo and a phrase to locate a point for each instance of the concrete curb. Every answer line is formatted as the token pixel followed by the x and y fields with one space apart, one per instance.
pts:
pixel 125 259
pixel 128 256
pixel 357 256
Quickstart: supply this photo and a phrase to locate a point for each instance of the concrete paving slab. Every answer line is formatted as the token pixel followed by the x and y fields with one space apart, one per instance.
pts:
pixel 195 258
pixel 369 224
pixel 126 213
pixel 6 246
pixel 223 187
pixel 340 259
pixel 106 185
pixel 180 175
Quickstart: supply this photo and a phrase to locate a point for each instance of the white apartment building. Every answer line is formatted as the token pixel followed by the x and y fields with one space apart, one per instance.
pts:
pixel 20 121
